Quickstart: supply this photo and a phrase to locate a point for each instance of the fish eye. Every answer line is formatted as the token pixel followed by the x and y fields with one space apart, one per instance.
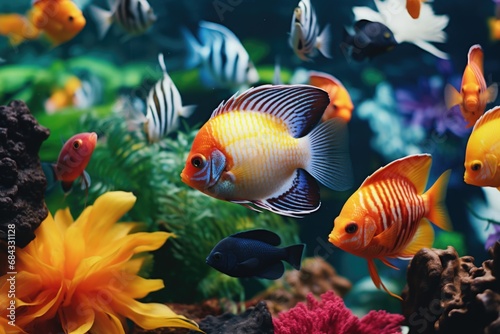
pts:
pixel 77 144
pixel 387 35
pixel 476 165
pixel 71 18
pixel 217 256
pixel 351 228
pixel 198 161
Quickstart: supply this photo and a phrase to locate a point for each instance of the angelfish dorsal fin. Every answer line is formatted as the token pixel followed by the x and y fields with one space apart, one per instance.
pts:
pixel 299 106
pixel 475 56
pixel 266 236
pixel 416 168
pixel 488 116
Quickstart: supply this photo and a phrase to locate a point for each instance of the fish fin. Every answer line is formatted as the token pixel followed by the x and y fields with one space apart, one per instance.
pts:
pixel 386 239
pixel 387 263
pixel 86 182
pixel 251 263
pixel 492 162
pixel 273 271
pixel 299 196
pixel 424 45
pixel 103 19
pixel 246 204
pixel 435 197
pixel 194 49
pixel 376 278
pixel 266 236
pixel 330 162
pixel 475 56
pixel 294 255
pixel 187 111
pixel 423 238
pixel 67 186
pixel 323 42
pixel 299 106
pixel 491 93
pixel 451 96
pixel 413 167
pixel 366 13
pixel 488 116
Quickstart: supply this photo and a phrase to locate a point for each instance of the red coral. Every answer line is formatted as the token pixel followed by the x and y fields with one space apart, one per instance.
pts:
pixel 331 316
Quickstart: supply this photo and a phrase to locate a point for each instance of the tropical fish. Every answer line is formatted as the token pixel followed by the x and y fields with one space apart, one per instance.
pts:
pixel 340 100
pixel 305 38
pixel 74 158
pixel 164 106
pixel 367 39
pixel 225 62
pixel 63 97
pixel 413 7
pixel 482 154
pixel 133 16
pixel 387 216
pixel 494 23
pixel 262 148
pixel 421 32
pixel 59 20
pixel 254 254
pixel 473 95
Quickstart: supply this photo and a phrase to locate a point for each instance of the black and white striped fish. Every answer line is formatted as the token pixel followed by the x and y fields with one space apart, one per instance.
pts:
pixel 305 38
pixel 164 106
pixel 134 16
pixel 225 62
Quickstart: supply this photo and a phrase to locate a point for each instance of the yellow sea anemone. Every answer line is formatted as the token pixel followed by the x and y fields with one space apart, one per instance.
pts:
pixel 81 276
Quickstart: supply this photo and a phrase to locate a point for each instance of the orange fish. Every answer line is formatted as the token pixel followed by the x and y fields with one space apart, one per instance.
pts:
pixel 59 20
pixel 413 7
pixel 63 97
pixel 473 95
pixel 263 148
pixel 74 158
pixel 387 216
pixel 340 100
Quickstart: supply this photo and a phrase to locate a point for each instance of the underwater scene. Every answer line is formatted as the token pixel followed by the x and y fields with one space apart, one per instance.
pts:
pixel 249 166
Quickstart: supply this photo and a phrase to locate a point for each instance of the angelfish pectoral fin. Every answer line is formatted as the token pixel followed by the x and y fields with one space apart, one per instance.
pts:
pixel 217 166
pixel 492 162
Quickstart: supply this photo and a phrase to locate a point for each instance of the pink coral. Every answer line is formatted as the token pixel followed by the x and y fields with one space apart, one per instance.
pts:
pixel 331 316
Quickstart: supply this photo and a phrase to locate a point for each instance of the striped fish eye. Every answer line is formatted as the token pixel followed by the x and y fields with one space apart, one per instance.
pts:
pixel 198 161
pixel 476 165
pixel 351 228
pixel 77 144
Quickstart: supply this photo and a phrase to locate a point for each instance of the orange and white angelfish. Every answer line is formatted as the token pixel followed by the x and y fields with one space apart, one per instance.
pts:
pixel 263 149
pixel 340 100
pixel 413 7
pixel 58 20
pixel 387 217
pixel 482 154
pixel 473 95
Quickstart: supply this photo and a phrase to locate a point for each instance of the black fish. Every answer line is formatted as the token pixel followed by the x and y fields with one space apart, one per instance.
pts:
pixel 370 39
pixel 254 253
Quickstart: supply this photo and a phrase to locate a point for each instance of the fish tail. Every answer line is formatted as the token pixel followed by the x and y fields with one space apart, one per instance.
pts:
pixel 294 255
pixel 330 162
pixel 435 198
pixel 103 19
pixel 376 279
pixel 15 34
pixel 323 42
pixel 194 48
pixel 187 111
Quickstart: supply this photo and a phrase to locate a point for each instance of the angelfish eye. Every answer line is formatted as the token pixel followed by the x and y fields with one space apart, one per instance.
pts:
pixel 198 161
pixel 476 165
pixel 351 228
pixel 77 144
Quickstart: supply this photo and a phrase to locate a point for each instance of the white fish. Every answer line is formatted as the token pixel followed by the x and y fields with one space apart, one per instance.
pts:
pixel 164 106
pixel 224 60
pixel 134 16
pixel 421 32
pixel 305 38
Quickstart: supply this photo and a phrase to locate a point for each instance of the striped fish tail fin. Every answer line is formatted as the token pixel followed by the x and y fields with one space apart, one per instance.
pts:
pixel 435 198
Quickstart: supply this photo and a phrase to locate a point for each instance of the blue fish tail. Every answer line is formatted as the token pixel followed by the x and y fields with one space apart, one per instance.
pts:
pixel 294 255
pixel 194 49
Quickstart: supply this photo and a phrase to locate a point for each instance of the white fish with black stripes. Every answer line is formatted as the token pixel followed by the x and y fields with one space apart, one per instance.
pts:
pixel 305 38
pixel 163 107
pixel 133 16
pixel 224 61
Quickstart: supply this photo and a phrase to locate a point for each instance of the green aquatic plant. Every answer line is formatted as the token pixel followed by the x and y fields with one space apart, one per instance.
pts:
pixel 124 160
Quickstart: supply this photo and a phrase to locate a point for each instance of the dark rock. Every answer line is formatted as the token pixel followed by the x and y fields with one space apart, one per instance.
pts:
pixel 449 294
pixel 22 181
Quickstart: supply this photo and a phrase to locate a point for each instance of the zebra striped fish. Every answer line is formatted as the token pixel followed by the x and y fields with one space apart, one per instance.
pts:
pixel 305 38
pixel 387 216
pixel 164 106
pixel 134 16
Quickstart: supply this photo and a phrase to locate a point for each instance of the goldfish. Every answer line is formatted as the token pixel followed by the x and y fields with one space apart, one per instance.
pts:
pixel 340 100
pixel 413 7
pixel 482 154
pixel 254 254
pixel 387 217
pixel 58 20
pixel 473 95
pixel 73 159
pixel 64 96
pixel 262 149
pixel 305 38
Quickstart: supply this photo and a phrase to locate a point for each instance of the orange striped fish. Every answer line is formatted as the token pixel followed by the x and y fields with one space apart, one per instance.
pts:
pixel 387 216
pixel 262 149
pixel 473 95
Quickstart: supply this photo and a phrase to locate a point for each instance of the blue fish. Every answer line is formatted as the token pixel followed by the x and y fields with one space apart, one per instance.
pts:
pixel 254 254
